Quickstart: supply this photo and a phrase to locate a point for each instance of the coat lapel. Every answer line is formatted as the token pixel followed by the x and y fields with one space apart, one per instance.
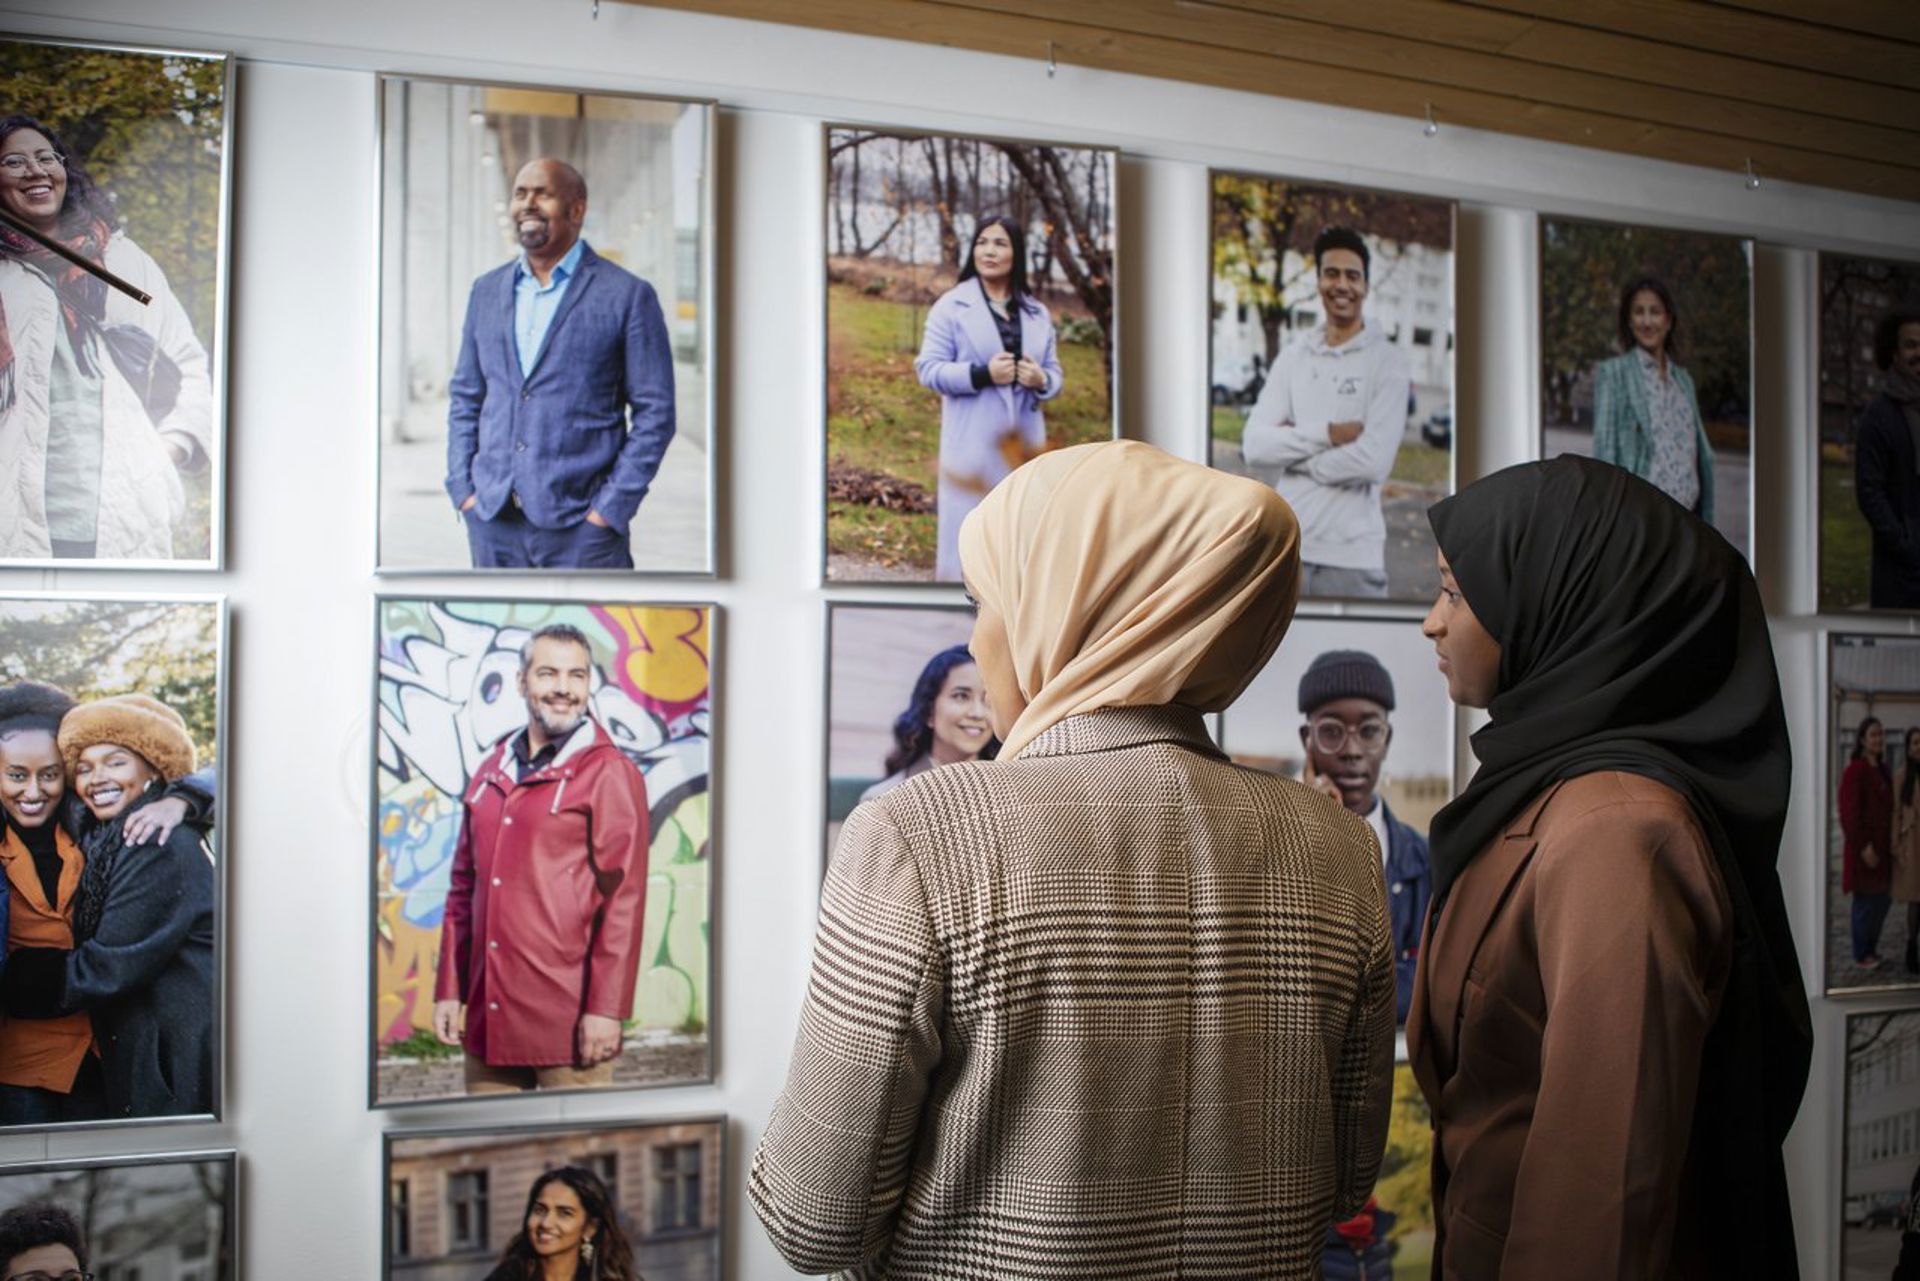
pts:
pixel 1447 954
pixel 508 328
pixel 581 282
pixel 983 334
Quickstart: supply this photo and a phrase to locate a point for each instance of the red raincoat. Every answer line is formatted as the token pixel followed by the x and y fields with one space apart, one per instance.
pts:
pixel 1866 818
pixel 547 898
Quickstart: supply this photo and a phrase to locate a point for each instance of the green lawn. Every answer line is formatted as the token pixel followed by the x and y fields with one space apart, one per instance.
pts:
pixel 1846 545
pixel 1418 463
pixel 879 416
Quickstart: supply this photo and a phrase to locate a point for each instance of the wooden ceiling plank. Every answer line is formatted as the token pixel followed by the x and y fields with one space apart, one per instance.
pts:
pixel 1887 19
pixel 930 23
pixel 1205 23
pixel 1758 37
pixel 1629 58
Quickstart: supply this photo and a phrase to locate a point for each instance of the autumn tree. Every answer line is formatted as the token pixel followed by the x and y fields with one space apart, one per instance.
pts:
pixel 148 129
pixel 1257 221
pixel 93 649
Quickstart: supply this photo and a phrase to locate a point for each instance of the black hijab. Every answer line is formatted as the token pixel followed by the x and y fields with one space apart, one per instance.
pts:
pixel 1632 638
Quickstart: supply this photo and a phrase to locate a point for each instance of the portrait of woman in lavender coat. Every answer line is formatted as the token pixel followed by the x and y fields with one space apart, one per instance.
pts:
pixel 989 352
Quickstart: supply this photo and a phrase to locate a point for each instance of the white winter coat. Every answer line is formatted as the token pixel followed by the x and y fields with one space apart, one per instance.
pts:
pixel 141 498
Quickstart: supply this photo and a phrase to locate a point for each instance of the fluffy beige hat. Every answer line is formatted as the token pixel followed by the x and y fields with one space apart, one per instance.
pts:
pixel 135 721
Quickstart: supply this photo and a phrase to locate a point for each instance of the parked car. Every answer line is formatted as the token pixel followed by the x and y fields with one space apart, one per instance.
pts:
pixel 1438 429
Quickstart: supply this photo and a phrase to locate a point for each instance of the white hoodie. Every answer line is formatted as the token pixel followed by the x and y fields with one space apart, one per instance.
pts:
pixel 1334 490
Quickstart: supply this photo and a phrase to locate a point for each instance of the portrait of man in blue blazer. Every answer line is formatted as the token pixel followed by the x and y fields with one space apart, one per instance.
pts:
pixel 562 397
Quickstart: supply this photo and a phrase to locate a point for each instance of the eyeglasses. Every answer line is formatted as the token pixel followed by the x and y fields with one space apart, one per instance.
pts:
pixel 15 164
pixel 49 1276
pixel 1330 735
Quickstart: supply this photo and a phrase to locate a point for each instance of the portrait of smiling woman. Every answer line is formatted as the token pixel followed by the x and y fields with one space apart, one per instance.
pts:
pixel 110 410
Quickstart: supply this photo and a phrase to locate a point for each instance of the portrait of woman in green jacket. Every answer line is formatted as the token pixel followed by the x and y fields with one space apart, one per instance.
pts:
pixel 1646 414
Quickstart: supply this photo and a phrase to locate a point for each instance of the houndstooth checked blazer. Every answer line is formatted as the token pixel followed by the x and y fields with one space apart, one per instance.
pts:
pixel 1114 1008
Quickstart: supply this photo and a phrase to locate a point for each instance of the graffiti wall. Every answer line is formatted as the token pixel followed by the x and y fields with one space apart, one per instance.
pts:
pixel 447 694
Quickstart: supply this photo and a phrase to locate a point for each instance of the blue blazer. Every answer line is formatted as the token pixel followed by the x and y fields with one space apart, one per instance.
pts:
pixel 587 425
pixel 1409 886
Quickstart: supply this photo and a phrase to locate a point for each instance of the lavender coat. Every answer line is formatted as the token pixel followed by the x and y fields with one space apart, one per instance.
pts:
pixel 974 422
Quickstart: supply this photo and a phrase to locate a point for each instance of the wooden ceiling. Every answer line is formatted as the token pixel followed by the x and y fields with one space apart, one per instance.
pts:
pixel 1825 92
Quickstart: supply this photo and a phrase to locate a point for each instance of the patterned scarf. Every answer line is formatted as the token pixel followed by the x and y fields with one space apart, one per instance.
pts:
pixel 1903 389
pixel 83 295
pixel 102 844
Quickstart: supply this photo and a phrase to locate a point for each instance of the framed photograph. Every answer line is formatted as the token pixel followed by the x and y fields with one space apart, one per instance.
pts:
pixel 1880 1125
pixel 1392 1235
pixel 1873 812
pixel 903 696
pixel 461 1203
pixel 112 767
pixel 1332 370
pixel 113 400
pixel 1357 708
pixel 1869 389
pixel 971 325
pixel 169 1215
pixel 546 329
pixel 1646 360
pixel 542 847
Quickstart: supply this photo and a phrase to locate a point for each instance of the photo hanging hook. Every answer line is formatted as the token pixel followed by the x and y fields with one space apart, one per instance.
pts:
pixel 596 10
pixel 1432 126
pixel 1753 179
pixel 1051 65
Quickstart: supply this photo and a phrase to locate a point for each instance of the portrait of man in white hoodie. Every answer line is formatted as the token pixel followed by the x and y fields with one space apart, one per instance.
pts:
pixel 1331 371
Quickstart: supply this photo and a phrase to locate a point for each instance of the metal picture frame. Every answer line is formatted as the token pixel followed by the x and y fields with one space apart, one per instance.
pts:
pixel 217 345
pixel 707 328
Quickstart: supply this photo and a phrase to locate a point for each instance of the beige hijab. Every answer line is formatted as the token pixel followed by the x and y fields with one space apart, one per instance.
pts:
pixel 1126 577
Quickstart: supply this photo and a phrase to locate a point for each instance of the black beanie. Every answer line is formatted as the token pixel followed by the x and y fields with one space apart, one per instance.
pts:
pixel 1345 673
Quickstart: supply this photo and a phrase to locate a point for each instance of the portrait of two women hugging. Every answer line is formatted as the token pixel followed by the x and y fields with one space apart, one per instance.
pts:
pixel 107 993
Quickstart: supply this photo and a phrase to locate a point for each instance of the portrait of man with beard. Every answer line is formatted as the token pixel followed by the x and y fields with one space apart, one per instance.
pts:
pixel 561 403
pixel 539 945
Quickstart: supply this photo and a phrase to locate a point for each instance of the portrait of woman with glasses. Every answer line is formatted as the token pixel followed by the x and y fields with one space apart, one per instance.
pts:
pixel 105 402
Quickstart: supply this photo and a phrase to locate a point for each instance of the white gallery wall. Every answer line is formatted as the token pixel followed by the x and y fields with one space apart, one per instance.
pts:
pixel 301 430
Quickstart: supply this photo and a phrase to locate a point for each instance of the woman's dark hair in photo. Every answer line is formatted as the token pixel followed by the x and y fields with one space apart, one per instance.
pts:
pixel 1018 236
pixel 1860 736
pixel 84 198
pixel 612 1255
pixel 37 1223
pixel 1625 324
pixel 1886 334
pixel 913 728
pixel 1343 238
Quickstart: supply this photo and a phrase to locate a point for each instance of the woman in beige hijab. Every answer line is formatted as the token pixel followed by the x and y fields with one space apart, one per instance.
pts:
pixel 1108 1005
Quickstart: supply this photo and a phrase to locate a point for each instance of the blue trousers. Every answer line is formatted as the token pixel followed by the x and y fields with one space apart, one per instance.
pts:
pixel 1869 914
pixel 509 542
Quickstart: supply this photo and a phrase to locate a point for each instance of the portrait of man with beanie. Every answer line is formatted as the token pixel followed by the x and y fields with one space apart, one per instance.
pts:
pixel 1328 424
pixel 1346 697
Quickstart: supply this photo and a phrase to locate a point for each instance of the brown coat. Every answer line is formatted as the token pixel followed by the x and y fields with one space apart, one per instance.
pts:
pixel 1563 998
pixel 1906 842
pixel 1114 1008
pixel 41 1052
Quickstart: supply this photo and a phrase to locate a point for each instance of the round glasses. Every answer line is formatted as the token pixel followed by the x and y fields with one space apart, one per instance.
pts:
pixel 14 163
pixel 1330 736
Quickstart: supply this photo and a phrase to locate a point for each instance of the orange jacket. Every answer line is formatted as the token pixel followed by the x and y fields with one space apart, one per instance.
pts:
pixel 41 1052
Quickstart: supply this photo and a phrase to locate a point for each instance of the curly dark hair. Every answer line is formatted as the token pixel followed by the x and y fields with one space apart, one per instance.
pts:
pixel 612 1254
pixel 1886 334
pixel 913 728
pixel 37 1223
pixel 85 198
pixel 1625 320
pixel 31 705
pixel 1343 238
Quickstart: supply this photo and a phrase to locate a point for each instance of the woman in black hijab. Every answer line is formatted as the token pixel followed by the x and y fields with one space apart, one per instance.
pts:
pixel 1608 1020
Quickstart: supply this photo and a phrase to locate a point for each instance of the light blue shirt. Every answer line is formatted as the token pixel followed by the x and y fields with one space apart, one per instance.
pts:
pixel 534 304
